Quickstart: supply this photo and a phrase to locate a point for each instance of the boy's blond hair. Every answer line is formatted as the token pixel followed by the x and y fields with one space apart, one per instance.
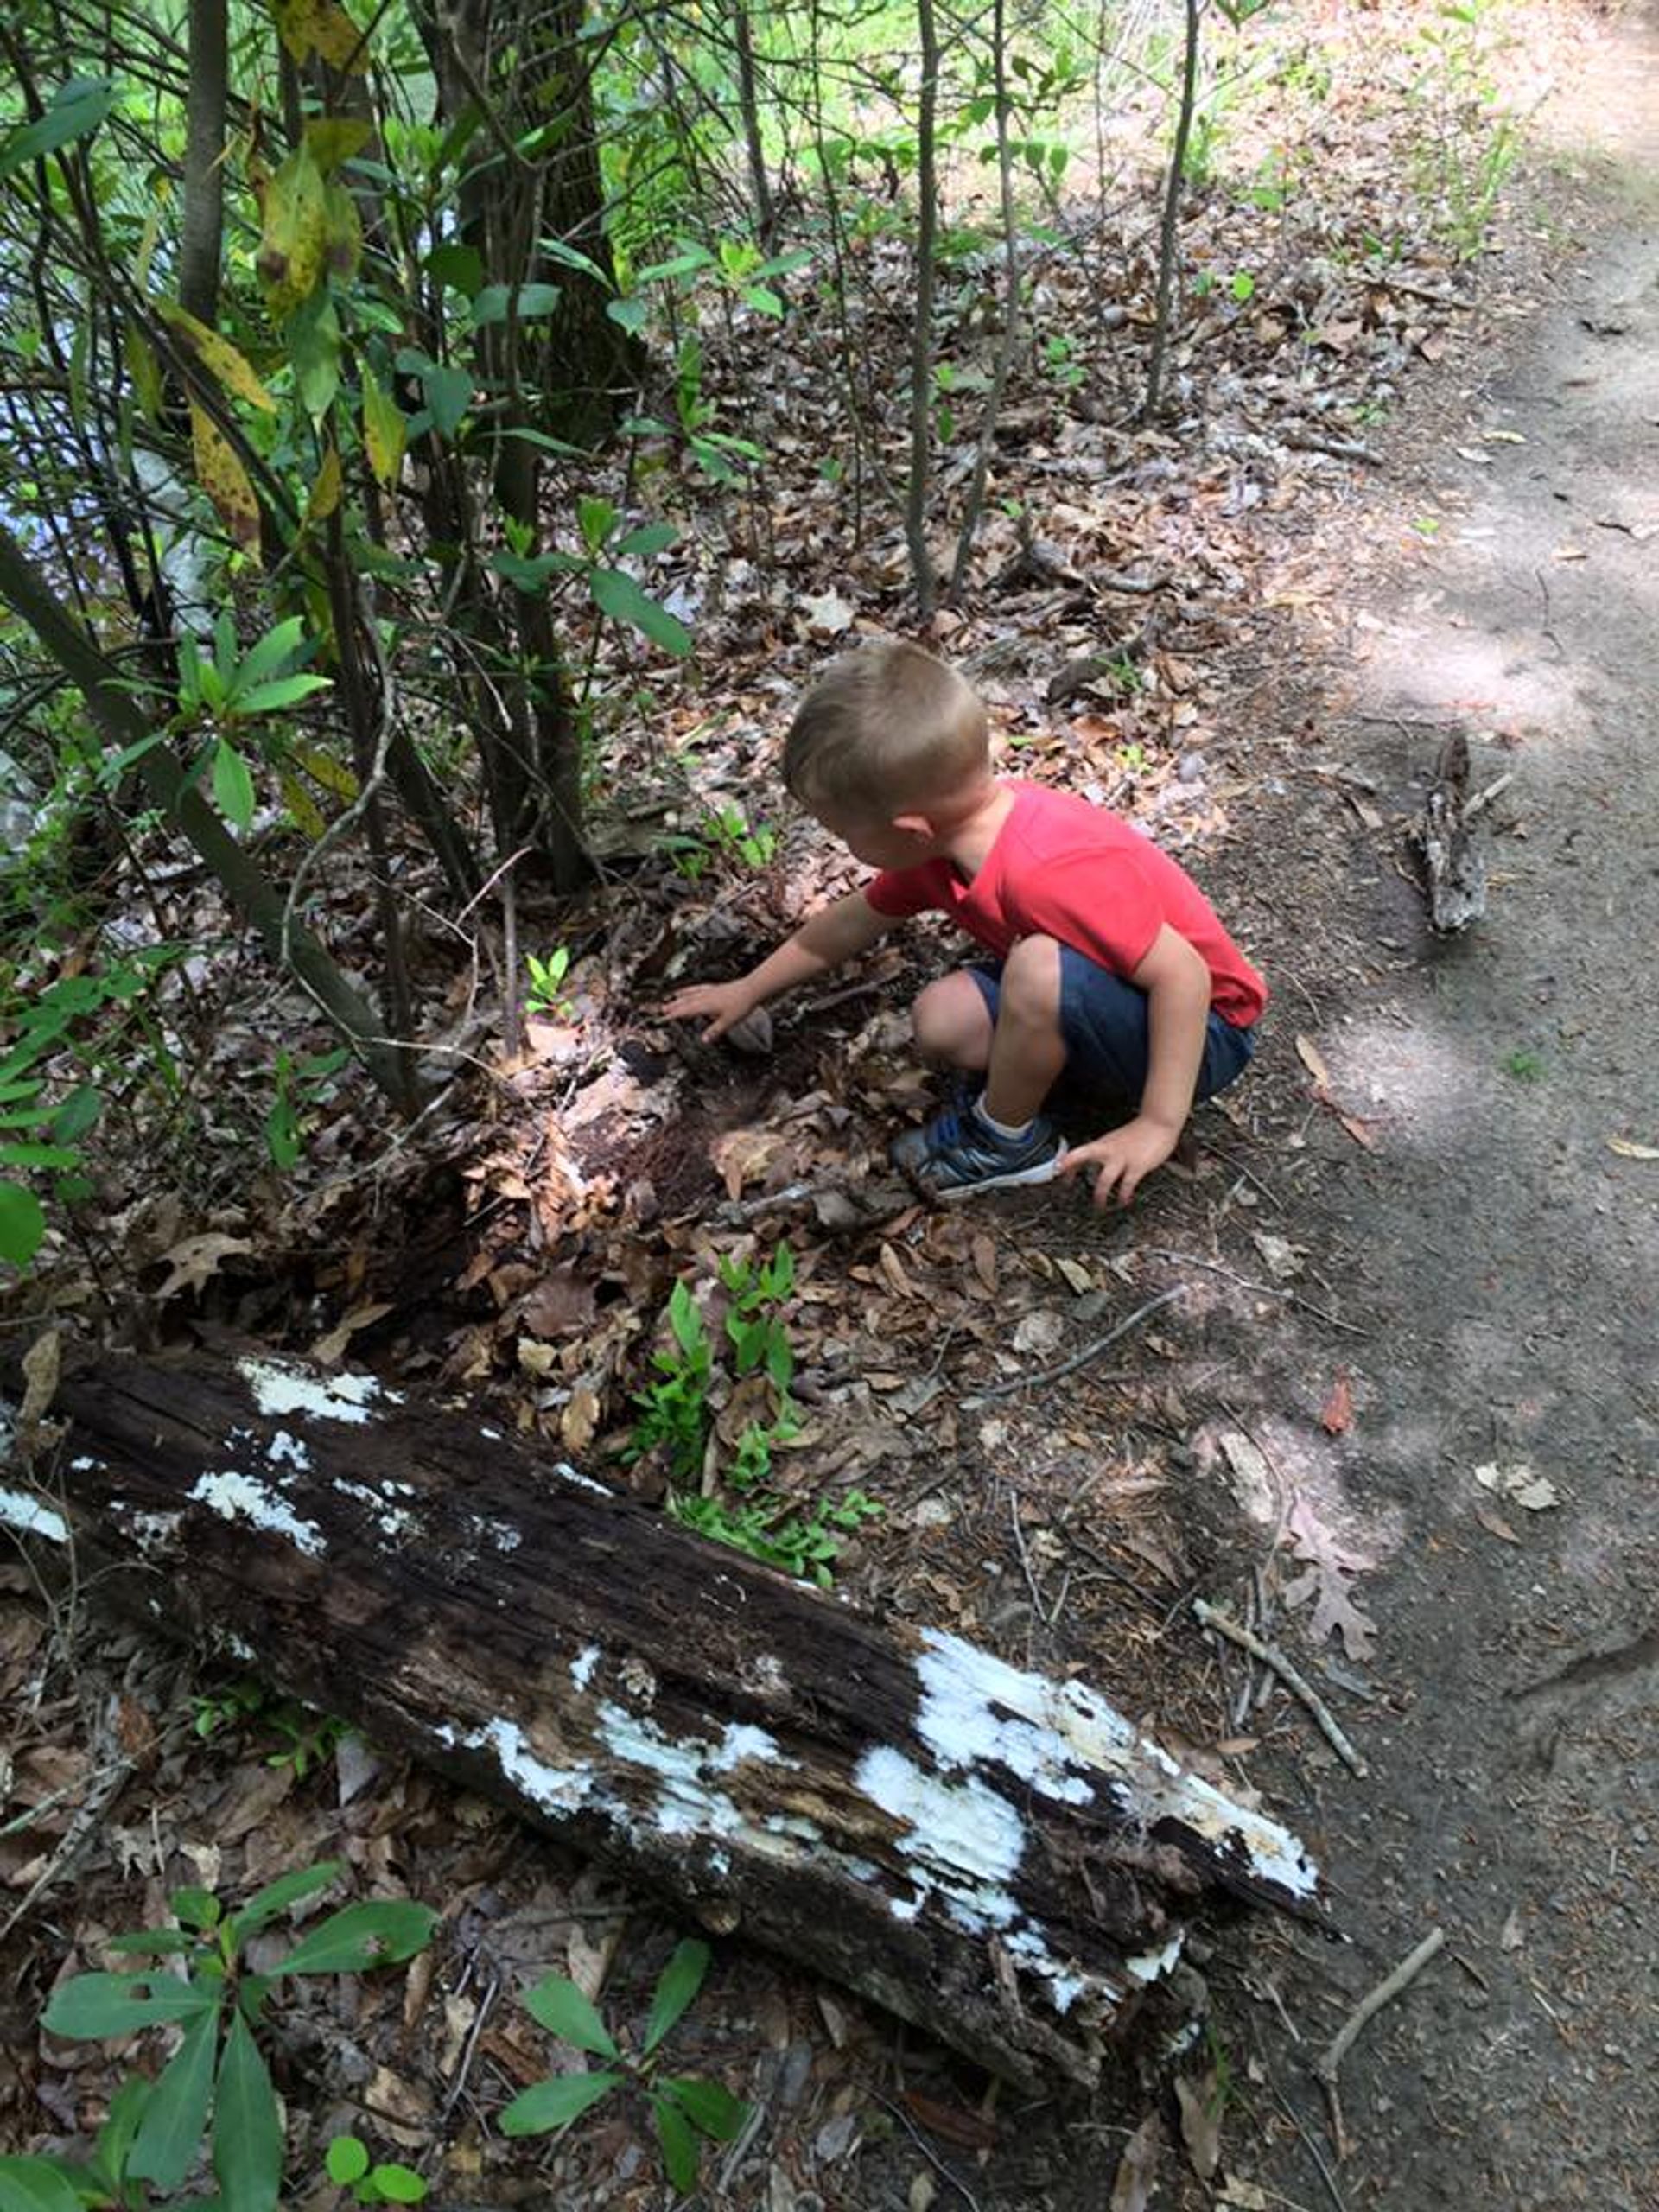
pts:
pixel 885 727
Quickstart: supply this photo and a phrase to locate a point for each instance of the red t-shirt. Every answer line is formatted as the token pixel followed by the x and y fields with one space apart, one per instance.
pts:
pixel 1063 867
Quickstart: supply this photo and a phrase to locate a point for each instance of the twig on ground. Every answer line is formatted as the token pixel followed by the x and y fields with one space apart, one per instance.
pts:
pixel 1263 1289
pixel 1303 441
pixel 1311 2148
pixel 1025 1557
pixel 457 2087
pixel 1388 1988
pixel 1485 797
pixel 1209 1616
pixel 1078 1359
pixel 928 2151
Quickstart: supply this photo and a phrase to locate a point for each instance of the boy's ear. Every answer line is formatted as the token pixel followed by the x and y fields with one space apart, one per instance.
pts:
pixel 914 825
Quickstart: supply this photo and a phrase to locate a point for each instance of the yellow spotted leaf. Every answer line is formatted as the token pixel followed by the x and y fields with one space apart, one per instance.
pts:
pixel 318 25
pixel 295 232
pixel 217 355
pixel 335 138
pixel 325 492
pixel 322 768
pixel 384 426
pixel 224 480
pixel 303 808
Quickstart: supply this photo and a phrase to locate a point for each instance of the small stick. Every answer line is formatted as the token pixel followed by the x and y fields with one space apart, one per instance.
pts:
pixel 1078 1359
pixel 1485 797
pixel 1209 1616
pixel 1404 1974
pixel 1263 1289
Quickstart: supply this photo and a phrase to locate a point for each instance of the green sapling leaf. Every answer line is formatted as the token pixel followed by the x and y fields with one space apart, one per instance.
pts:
pixel 547 2105
pixel 682 1978
pixel 563 2010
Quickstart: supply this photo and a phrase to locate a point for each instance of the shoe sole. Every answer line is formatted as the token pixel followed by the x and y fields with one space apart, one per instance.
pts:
pixel 947 1194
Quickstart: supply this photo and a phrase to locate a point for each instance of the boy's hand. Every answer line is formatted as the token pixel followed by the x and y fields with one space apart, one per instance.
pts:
pixel 725 1003
pixel 1125 1158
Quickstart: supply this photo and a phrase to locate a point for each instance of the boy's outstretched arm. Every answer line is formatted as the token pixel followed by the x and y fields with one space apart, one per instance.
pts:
pixel 1176 981
pixel 834 933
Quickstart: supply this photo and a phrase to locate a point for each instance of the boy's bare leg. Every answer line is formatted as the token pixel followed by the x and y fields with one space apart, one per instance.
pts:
pixel 953 1023
pixel 1027 1050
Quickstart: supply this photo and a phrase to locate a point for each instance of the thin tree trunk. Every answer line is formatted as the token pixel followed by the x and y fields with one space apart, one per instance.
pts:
pixel 1011 318
pixel 1169 240
pixel 203 161
pixel 32 600
pixel 921 358
pixel 766 214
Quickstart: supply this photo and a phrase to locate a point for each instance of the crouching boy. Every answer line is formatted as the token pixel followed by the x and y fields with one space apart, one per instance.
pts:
pixel 1103 959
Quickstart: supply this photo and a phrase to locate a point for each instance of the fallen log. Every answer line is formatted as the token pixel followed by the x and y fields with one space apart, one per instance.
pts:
pixel 997 1857
pixel 1453 861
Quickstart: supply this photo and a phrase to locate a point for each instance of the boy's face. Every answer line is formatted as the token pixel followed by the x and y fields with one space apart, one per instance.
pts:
pixel 877 841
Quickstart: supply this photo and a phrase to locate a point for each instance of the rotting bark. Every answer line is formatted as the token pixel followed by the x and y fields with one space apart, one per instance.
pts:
pixel 993 1855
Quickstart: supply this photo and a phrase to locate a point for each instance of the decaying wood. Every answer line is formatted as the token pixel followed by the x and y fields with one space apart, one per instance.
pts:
pixel 994 1855
pixel 1454 864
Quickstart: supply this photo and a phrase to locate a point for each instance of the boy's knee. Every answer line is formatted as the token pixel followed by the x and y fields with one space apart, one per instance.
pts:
pixel 1031 977
pixel 950 1022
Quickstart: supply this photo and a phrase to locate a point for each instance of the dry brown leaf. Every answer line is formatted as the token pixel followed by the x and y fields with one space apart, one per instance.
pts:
pixel 1307 1053
pixel 743 1156
pixel 1337 1415
pixel 893 1268
pixel 1201 2110
pixel 197 1260
pixel 580 1419
pixel 1137 2168
pixel 42 1364
pixel 1360 1130
pixel 327 1350
pixel 1495 1524
pixel 1076 1275
pixel 561 1305
pixel 984 1253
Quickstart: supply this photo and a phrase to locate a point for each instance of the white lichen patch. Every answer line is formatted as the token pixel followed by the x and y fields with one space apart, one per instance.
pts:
pixel 30 1517
pixel 155 1532
pixel 286 1450
pixel 278 1389
pixel 568 1473
pixel 1153 1965
pixel 394 1521
pixel 85 1466
pixel 740 1742
pixel 557 1789
pixel 965 1840
pixel 582 1666
pixel 500 1536
pixel 235 1496
pixel 1067 1742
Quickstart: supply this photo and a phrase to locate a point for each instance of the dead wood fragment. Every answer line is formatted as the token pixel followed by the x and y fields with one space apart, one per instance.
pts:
pixel 1454 866
pixel 968 1844
pixel 1210 1616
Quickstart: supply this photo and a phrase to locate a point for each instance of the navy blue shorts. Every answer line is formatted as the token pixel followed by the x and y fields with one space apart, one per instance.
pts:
pixel 1104 1023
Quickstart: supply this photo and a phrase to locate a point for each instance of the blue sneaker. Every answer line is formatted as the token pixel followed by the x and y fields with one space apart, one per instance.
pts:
pixel 956 1154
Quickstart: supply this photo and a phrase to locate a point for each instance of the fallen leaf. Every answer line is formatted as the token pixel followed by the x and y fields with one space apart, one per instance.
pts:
pixel 893 1267
pixel 42 1364
pixel 1077 1276
pixel 744 1156
pixel 1243 2197
pixel 1569 553
pixel 1495 1525
pixel 1512 1935
pixel 197 1260
pixel 327 1350
pixel 1201 2110
pixel 1359 1130
pixel 1627 1150
pixel 1283 1258
pixel 1521 1484
pixel 1336 1416
pixel 1307 1053
pixel 968 2130
pixel 1331 1566
pixel 1137 2168
pixel 984 1254
pixel 1041 1332
pixel 828 613
pixel 561 1305
pixel 580 1419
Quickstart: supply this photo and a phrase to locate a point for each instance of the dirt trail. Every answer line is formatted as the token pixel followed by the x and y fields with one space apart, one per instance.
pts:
pixel 1506 1262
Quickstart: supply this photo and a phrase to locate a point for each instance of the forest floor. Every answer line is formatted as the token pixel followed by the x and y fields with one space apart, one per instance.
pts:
pixel 1404 1412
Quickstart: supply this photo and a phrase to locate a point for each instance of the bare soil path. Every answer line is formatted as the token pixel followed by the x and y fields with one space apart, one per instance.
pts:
pixel 1504 1256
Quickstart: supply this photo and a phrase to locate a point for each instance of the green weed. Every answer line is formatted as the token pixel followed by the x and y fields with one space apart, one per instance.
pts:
pixel 682 2107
